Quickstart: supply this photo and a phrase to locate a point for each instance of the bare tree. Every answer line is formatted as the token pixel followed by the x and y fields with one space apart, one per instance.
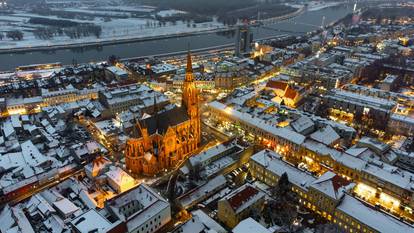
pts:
pixel 15 35
pixel 195 172
pixel 282 208
pixel 113 59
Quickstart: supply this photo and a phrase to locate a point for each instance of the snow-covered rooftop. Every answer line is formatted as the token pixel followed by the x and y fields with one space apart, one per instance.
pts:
pixel 301 124
pixel 326 135
pixel 203 191
pixel 274 163
pixel 243 197
pixel 249 225
pixel 151 204
pixel 65 206
pixel 91 221
pixel 371 217
pixel 215 151
pixel 117 71
pixel 248 119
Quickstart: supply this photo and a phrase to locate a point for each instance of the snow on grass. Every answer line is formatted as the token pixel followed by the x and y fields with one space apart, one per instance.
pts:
pixel 171 12
pixel 316 6
pixel 117 28
pixel 108 12
pixel 27 16
pixel 146 9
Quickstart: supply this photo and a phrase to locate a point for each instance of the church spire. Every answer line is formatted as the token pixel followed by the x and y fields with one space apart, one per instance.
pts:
pixel 190 97
pixel 189 63
pixel 189 69
pixel 156 112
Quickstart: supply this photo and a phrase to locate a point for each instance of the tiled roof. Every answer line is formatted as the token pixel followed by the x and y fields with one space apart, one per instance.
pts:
pixel 241 197
pixel 277 85
pixel 290 93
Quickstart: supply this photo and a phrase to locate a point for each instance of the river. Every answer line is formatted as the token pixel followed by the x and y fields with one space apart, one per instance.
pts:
pixel 305 22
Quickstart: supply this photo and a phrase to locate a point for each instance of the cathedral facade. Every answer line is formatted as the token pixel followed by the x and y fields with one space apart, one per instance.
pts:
pixel 167 137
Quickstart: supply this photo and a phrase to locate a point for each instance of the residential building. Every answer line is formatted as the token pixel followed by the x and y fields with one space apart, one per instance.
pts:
pixel 240 204
pixel 122 98
pixel 200 222
pixel 328 196
pixel 114 72
pixel 141 209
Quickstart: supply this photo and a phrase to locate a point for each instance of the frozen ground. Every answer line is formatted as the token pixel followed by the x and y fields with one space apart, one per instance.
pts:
pixel 116 29
pixel 165 13
pixel 316 5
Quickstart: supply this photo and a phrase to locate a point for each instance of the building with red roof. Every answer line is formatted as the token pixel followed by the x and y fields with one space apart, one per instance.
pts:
pixel 240 204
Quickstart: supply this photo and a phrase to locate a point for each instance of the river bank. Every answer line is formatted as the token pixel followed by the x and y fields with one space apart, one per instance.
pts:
pixel 110 42
pixel 305 22
pixel 123 40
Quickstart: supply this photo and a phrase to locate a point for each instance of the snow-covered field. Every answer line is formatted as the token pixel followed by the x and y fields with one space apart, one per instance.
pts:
pixel 116 29
pixel 315 5
pixel 129 9
pixel 165 13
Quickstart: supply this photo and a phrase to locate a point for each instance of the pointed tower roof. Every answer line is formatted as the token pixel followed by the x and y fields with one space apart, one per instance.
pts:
pixel 189 63
pixel 157 123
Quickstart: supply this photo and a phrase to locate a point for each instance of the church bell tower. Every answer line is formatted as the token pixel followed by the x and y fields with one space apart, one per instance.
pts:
pixel 190 98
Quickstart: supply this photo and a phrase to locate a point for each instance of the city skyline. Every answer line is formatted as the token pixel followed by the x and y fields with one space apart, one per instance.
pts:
pixel 192 116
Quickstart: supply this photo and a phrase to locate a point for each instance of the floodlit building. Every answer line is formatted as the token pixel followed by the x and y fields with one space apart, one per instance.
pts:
pixel 119 180
pixel 289 95
pixel 327 195
pixel 167 137
pixel 351 106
